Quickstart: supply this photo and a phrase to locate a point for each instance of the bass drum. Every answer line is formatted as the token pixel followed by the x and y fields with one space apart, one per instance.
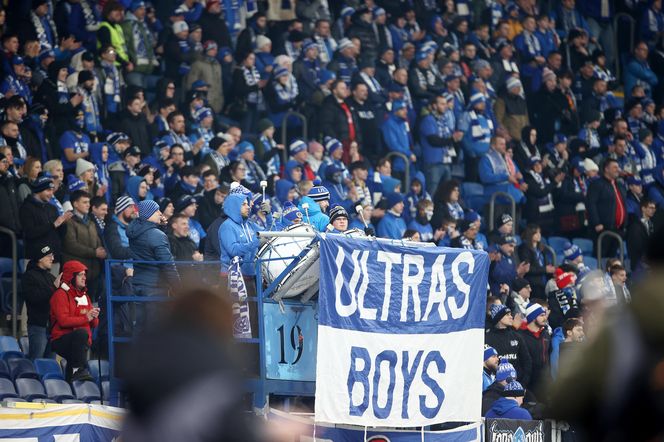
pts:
pixel 280 252
pixel 355 233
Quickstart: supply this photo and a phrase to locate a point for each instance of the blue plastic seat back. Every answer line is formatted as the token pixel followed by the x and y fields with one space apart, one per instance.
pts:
pixel 9 348
pixel 86 391
pixel 4 370
pixel 48 369
pixel 22 368
pixel 96 366
pixel 558 243
pixel 590 262
pixel 585 244
pixel 7 389
pixel 58 390
pixel 30 389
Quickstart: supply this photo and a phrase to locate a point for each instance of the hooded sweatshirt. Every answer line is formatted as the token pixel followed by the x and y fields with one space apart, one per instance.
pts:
pixel 508 408
pixel 316 217
pixel 69 305
pixel 237 236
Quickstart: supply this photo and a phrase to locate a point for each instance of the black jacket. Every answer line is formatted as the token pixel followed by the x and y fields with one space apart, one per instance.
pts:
pixel 601 203
pixel 9 217
pixel 37 220
pixel 538 347
pixel 113 243
pixel 637 242
pixel 364 31
pixel 182 248
pixel 333 120
pixel 37 286
pixel 491 395
pixel 534 194
pixel 212 252
pixel 536 275
pixel 566 197
pixel 215 28
pixel 137 127
pixel 509 345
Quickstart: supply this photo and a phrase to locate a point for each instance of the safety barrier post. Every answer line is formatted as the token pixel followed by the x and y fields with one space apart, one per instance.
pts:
pixel 492 204
pixel 552 253
pixel 284 131
pixel 406 160
pixel 614 235
pixel 12 236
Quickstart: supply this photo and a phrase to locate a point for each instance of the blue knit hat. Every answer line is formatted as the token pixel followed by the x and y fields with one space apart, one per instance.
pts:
pixel 472 216
pixel 291 212
pixel 514 389
pixel 559 138
pixel 332 144
pixel 421 55
pixel 183 202
pixel 476 99
pixel 571 251
pixel 297 146
pixel 319 192
pixel 202 113
pixel 136 4
pixel 378 11
pixel 533 311
pixel 244 147
pixel 505 372
pixel 326 75
pixel 74 183
pixel 337 211
pixel 239 188
pixel 308 44
pixel 393 199
pixel 347 11
pixel 634 180
pixel 497 311
pixel 398 105
pixel 280 71
pixel 489 351
pixel 146 209
pixel 41 183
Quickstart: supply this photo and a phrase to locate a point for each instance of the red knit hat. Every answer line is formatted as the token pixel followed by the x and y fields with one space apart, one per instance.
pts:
pixel 564 279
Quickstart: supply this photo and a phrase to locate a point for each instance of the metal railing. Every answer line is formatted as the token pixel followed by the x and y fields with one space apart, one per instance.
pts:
pixel 12 236
pixel 284 130
pixel 492 209
pixel 552 252
pixel 406 160
pixel 614 235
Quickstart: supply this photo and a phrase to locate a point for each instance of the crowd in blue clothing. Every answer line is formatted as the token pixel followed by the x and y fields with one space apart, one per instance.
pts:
pixel 399 120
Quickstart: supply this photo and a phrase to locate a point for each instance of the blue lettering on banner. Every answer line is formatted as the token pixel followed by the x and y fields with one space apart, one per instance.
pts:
pixel 403 332
pixel 400 290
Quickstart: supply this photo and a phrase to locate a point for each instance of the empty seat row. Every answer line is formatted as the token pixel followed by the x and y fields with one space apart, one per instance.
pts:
pixel 52 390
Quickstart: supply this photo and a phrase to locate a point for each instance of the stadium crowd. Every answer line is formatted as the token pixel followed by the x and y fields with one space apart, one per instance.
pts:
pixel 153 132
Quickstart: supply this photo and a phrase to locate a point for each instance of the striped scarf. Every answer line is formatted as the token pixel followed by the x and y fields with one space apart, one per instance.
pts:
pixel 91 21
pixel 545 204
pixel 477 132
pixel 111 86
pixel 48 38
pixel 498 163
pixel 287 93
pixel 532 43
pixel 143 40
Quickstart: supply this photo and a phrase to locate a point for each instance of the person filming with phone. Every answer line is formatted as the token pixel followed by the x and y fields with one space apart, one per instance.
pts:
pixel 73 316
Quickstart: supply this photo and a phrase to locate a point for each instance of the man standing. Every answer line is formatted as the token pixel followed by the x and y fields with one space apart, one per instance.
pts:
pixel 148 243
pixel 508 343
pixel 397 136
pixel 39 219
pixel 37 286
pixel 639 233
pixel 606 205
pixel 537 340
pixel 82 243
pixel 338 120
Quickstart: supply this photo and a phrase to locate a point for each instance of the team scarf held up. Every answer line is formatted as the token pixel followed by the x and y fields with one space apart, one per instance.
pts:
pixel 47 33
pixel 111 87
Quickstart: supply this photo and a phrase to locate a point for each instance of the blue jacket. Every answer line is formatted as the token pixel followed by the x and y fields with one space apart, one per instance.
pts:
pixel 282 187
pixel 237 236
pixel 316 217
pixel 508 408
pixel 554 358
pixel 148 243
pixel 502 272
pixel 479 145
pixel 425 230
pixel 638 72
pixel 494 177
pixel 411 200
pixel 391 226
pixel 437 126
pixel 396 134
pixel 70 140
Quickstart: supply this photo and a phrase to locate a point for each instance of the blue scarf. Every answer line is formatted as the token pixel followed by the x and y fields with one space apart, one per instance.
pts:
pixel 479 133
pixel 111 87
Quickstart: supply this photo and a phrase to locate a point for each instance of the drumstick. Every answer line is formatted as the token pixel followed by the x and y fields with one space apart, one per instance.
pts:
pixel 305 206
pixel 360 212
pixel 263 185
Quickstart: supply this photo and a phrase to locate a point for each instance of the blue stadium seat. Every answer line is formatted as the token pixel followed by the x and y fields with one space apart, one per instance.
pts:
pixel 590 262
pixel 9 348
pixel 558 243
pixel 4 370
pixel 95 365
pixel 86 391
pixel 58 390
pixel 22 368
pixel 473 195
pixel 25 344
pixel 48 369
pixel 30 389
pixel 586 245
pixel 7 389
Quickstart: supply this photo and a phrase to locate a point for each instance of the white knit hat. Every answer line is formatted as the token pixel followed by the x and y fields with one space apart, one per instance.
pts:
pixel 261 41
pixel 83 166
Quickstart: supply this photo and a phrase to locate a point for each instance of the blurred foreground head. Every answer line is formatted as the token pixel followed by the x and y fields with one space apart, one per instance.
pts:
pixel 614 389
pixel 181 379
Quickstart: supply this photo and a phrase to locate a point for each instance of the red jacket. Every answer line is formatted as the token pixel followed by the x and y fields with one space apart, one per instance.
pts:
pixel 68 313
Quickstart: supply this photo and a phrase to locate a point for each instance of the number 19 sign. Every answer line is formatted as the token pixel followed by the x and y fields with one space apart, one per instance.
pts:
pixel 290 342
